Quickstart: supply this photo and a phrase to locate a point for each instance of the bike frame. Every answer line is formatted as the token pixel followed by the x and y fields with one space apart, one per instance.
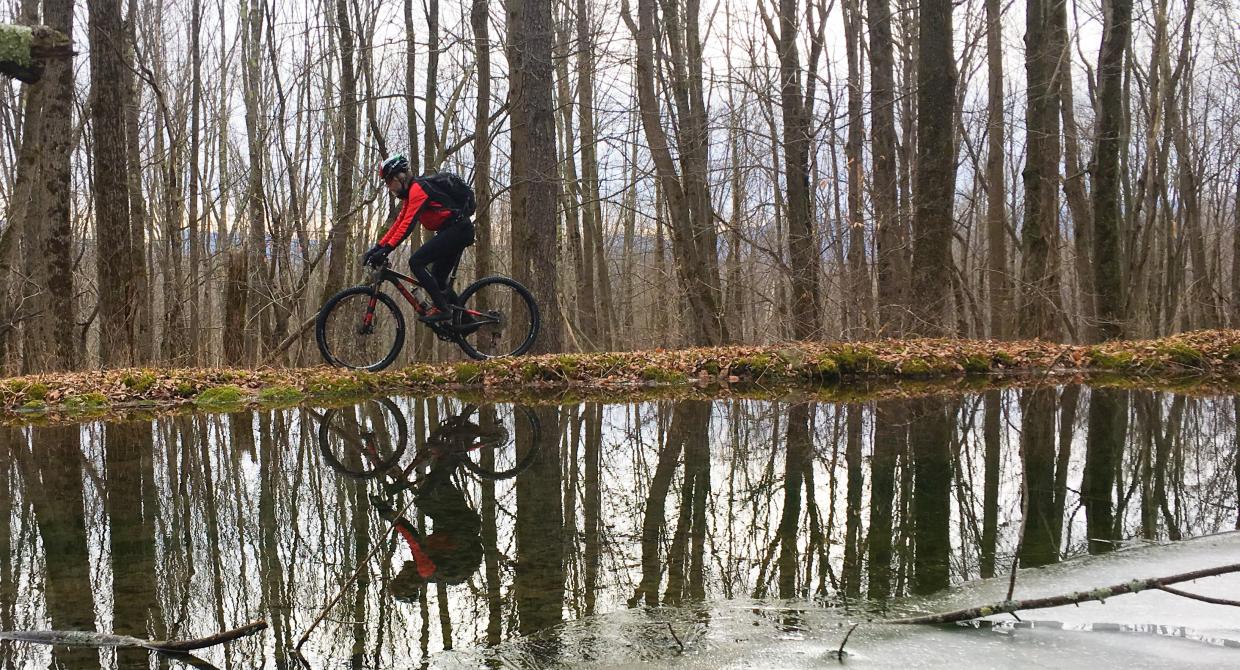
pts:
pixel 387 274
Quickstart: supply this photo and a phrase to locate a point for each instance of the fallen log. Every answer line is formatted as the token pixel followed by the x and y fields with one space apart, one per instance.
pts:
pixel 79 638
pixel 1074 598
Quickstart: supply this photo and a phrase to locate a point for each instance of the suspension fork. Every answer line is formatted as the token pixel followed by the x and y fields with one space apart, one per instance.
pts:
pixel 377 279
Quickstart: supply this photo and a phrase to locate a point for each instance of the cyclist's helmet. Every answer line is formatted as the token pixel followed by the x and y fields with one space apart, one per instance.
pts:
pixel 393 166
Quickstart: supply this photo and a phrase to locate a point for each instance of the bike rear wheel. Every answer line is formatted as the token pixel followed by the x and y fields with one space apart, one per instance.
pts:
pixel 498 318
pixel 360 328
pixel 493 455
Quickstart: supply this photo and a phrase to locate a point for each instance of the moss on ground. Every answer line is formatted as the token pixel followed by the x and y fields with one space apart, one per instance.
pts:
pixel 469 373
pixel 280 395
pixel 856 360
pixel 976 364
pixel 1183 354
pixel 840 370
pixel 340 385
pixel 823 369
pixel 139 382
pixel 221 397
pixel 661 375
pixel 85 403
pixel 1111 360
pixel 758 365
pixel 1003 359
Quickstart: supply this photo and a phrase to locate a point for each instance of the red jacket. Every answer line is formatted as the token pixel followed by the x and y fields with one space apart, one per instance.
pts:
pixel 418 207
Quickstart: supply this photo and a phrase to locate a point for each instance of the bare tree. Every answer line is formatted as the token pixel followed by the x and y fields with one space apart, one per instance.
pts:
pixel 1107 251
pixel 117 267
pixel 998 279
pixel 691 216
pixel 936 168
pixel 1040 302
pixel 47 250
pixel 535 174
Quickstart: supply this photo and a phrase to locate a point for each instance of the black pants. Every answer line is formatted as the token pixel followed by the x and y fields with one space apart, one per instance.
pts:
pixel 441 253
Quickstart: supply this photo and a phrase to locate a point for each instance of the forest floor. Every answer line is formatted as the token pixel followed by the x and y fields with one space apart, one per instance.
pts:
pixel 1200 362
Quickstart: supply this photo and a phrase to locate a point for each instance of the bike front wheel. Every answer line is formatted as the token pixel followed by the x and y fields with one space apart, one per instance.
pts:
pixel 365 440
pixel 498 318
pixel 360 328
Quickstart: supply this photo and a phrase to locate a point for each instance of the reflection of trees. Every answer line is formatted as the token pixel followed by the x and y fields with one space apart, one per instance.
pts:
pixel 130 496
pixel 270 565
pixel 1158 433
pixel 1040 542
pixel 796 461
pixel 592 504
pixel 1104 445
pixel 51 465
pixel 490 542
pixel 687 434
pixel 653 517
pixel 9 438
pixel 690 424
pixel 852 519
pixel 930 429
pixel 890 440
pixel 992 437
pixel 211 519
pixel 539 525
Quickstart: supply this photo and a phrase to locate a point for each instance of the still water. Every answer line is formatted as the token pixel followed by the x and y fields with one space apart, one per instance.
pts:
pixel 738 533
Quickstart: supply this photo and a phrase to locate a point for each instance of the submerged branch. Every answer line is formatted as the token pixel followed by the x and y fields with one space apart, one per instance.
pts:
pixel 78 638
pixel 1074 598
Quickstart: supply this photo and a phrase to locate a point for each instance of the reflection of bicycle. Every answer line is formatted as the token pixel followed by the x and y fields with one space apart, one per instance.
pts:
pixel 369 440
pixel 363 328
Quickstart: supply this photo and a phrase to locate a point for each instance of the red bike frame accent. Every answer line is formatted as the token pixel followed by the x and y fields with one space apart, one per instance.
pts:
pixel 396 278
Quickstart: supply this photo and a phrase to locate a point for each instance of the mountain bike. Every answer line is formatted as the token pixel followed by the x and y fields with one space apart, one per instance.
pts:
pixel 370 441
pixel 362 327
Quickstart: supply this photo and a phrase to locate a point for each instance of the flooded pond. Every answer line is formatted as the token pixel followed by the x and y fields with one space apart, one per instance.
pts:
pixel 731 533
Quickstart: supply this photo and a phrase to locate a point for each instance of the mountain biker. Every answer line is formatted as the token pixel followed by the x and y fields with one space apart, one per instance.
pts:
pixel 453 233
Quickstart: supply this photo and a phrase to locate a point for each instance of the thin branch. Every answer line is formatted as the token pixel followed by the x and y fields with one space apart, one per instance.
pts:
pixel 1074 598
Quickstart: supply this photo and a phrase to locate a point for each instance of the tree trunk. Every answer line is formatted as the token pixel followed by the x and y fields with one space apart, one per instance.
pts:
pixel 859 274
pixel 1107 251
pixel 144 310
pixel 1039 311
pixel 580 246
pixel 692 245
pixel 1235 263
pixel 1074 180
pixel 535 174
pixel 47 247
pixel 195 144
pixel 346 158
pixel 804 258
pixel 592 204
pixel 480 16
pixel 116 267
pixel 891 236
pixel 935 179
pixel 999 281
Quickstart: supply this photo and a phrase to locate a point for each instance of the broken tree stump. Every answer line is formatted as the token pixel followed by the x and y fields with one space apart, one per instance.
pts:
pixel 23 48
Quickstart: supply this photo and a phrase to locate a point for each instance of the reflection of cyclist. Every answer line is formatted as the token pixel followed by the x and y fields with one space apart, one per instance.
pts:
pixel 368 442
pixel 452 551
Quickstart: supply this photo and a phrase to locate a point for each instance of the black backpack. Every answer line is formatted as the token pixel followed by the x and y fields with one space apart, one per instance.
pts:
pixel 450 191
